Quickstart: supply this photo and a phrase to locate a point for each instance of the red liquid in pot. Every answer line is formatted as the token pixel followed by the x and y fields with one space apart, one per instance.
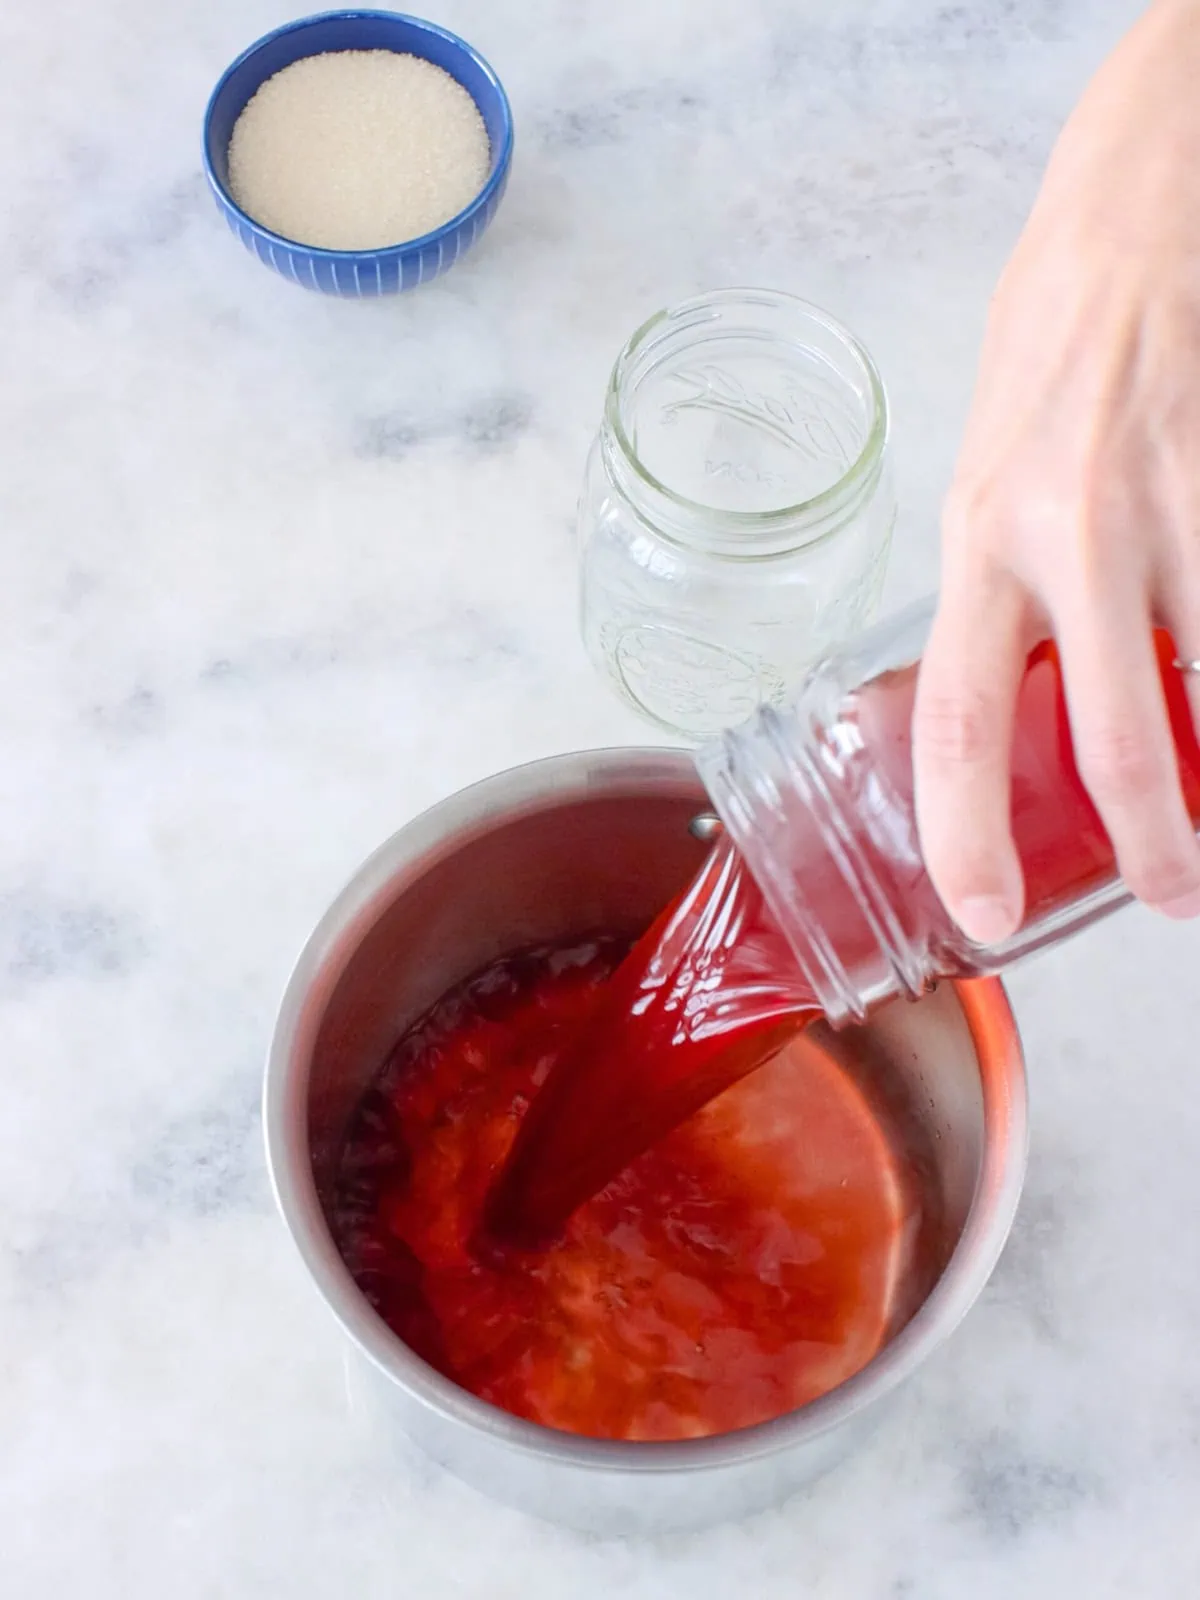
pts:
pixel 750 1261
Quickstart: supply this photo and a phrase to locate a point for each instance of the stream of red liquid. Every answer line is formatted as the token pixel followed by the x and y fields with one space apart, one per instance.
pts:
pixel 708 993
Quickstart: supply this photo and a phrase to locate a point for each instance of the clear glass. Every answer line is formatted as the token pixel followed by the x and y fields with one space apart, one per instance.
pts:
pixel 818 798
pixel 737 508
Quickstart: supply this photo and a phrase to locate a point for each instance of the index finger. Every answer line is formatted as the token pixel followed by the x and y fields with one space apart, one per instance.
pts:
pixel 967 691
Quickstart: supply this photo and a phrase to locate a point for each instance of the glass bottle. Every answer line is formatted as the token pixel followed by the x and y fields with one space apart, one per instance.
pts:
pixel 737 507
pixel 818 799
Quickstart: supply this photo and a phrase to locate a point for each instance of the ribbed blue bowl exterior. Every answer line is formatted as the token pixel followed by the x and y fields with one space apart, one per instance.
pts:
pixel 359 274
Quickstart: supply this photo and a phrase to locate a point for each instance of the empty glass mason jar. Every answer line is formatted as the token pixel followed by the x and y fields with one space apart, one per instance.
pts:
pixel 737 508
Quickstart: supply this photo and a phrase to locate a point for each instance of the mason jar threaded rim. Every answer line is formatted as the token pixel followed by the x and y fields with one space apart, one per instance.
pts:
pixel 748 536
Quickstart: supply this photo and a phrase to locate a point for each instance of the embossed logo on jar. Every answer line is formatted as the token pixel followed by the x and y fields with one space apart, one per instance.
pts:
pixel 691 683
pixel 741 472
pixel 801 421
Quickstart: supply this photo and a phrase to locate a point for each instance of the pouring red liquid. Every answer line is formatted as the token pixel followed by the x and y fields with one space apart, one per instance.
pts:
pixel 710 992
pixel 713 989
pixel 558 1196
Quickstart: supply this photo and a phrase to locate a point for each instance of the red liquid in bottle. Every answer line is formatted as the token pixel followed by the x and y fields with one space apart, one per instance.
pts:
pixel 713 989
pixel 1061 842
pixel 1060 839
pixel 755 1258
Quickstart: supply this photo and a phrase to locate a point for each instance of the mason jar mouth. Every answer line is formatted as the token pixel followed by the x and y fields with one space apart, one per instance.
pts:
pixel 807 405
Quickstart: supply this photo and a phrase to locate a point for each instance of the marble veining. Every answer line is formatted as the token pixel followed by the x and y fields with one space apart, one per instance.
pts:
pixel 281 571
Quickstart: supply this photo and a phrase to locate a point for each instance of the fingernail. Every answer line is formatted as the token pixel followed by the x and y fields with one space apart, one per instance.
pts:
pixel 987 919
pixel 1187 905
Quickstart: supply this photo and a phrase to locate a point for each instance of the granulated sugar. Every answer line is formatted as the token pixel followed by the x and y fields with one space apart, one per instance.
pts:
pixel 358 149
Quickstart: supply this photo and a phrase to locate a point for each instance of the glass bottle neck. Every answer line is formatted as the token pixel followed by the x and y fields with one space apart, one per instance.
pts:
pixel 834 850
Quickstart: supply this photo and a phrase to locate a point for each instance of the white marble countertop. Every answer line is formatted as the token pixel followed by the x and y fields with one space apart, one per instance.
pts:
pixel 280 571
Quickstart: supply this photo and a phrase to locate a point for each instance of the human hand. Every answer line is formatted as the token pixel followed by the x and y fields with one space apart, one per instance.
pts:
pixel 1075 507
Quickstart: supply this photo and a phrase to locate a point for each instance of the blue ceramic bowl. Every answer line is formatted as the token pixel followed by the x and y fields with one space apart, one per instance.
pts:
pixel 357 274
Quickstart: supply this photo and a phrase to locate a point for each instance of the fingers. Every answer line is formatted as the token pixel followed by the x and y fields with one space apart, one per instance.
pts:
pixel 1124 748
pixel 962 738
